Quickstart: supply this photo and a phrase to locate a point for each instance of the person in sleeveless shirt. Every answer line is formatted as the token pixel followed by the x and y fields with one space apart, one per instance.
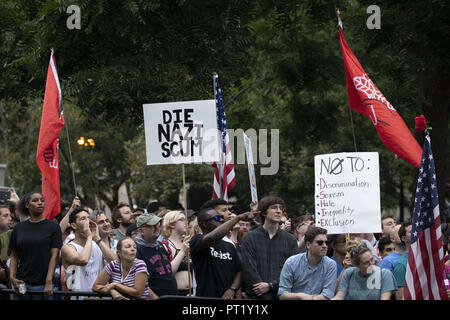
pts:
pixel 177 245
pixel 83 256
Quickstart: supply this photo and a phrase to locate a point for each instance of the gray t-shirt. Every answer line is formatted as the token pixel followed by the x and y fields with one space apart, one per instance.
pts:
pixel 370 287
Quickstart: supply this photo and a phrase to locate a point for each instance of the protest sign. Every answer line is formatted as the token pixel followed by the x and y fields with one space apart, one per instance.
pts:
pixel 347 192
pixel 181 132
pixel 251 169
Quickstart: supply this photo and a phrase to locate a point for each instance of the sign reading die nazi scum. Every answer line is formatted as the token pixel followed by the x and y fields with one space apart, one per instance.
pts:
pixel 181 132
pixel 347 192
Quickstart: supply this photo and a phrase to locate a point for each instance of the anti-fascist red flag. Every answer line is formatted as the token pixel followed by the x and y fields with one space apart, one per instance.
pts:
pixel 47 157
pixel 366 99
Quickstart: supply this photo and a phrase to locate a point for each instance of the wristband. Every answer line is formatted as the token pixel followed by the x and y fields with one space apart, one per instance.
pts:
pixel 233 288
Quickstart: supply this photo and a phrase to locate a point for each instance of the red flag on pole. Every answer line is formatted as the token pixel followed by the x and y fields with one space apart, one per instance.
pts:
pixel 47 155
pixel 365 98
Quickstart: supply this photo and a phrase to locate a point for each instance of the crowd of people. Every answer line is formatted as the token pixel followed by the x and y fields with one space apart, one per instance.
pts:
pixel 215 252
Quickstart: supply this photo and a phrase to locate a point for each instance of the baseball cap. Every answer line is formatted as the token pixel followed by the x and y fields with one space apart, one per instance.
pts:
pixel 148 219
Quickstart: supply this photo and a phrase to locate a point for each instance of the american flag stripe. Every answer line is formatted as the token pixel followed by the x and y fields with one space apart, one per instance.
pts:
pixel 224 176
pixel 424 272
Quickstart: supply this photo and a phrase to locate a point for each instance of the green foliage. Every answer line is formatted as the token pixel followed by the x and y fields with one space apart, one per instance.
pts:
pixel 279 65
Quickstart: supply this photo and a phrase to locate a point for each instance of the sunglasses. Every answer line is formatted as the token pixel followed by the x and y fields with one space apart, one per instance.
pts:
pixel 321 242
pixel 217 218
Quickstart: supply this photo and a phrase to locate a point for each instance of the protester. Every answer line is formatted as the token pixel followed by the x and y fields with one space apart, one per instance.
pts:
pixel 124 277
pixel 337 243
pixel 137 212
pixel 104 230
pixel 404 233
pixel 215 260
pixel 177 245
pixel 157 208
pixel 365 280
pixel 83 257
pixel 132 231
pixel 299 227
pixel 385 246
pixel 5 231
pixel 220 205
pixel 391 260
pixel 161 280
pixel 122 217
pixel 34 247
pixel 310 275
pixel 285 222
pixel 266 243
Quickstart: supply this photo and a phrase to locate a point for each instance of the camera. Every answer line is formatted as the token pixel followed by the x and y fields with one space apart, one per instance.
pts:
pixel 5 195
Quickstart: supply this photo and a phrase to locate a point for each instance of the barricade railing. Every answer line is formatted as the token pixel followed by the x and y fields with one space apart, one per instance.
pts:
pixel 89 295
pixel 61 295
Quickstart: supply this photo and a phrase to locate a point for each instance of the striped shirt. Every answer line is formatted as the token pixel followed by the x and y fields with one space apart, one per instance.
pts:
pixel 114 269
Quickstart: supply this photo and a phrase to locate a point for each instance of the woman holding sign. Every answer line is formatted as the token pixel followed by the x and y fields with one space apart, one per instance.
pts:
pixel 365 280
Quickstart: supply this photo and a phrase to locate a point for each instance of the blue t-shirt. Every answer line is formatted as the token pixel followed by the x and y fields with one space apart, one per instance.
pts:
pixel 297 276
pixel 359 287
pixel 339 267
pixel 390 261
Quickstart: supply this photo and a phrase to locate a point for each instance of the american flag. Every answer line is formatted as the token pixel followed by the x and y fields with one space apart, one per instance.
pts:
pixel 224 177
pixel 424 279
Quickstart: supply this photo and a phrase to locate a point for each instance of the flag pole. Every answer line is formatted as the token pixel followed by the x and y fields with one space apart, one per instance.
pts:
pixel 347 236
pixel 68 142
pixel 187 230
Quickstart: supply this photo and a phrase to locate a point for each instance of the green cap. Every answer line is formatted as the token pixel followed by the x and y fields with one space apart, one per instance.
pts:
pixel 148 219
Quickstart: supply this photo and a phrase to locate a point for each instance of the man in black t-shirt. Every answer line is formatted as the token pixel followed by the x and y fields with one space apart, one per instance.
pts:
pixel 161 280
pixel 216 264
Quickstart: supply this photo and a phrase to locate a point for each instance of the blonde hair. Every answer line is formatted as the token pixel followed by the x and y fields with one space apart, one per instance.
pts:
pixel 356 254
pixel 169 218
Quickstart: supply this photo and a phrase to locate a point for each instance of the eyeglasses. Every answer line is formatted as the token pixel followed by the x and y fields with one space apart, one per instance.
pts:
pixel 281 223
pixel 217 218
pixel 321 242
pixel 388 249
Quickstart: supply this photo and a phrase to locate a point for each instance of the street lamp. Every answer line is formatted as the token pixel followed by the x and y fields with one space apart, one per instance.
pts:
pixel 82 142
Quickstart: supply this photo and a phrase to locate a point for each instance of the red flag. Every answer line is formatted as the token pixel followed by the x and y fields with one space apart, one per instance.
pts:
pixel 224 177
pixel 365 98
pixel 47 158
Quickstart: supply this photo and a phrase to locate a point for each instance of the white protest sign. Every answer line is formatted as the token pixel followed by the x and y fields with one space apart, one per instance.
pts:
pixel 181 132
pixel 251 169
pixel 347 192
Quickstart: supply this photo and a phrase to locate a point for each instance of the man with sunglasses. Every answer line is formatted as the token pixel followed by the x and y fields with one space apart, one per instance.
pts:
pixel 216 263
pixel 310 275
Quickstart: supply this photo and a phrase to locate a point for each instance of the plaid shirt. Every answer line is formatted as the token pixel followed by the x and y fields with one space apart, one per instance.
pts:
pixel 263 258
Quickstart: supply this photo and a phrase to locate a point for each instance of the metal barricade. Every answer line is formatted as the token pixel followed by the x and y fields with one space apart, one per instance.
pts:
pixel 60 295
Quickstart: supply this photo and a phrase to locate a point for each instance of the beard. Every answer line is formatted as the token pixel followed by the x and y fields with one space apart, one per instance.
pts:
pixel 128 223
